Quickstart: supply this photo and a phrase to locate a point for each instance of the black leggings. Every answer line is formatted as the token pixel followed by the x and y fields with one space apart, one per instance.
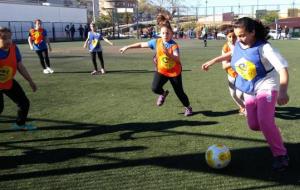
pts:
pixel 17 95
pixel 100 56
pixel 44 58
pixel 159 80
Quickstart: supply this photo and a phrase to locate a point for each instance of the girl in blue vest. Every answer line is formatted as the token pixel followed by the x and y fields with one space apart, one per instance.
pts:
pixel 263 77
pixel 94 46
pixel 39 42
pixel 10 63
pixel 168 65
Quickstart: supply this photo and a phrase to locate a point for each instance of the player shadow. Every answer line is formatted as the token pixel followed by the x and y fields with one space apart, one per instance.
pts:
pixel 91 130
pixel 129 71
pixel 288 113
pixel 38 156
pixel 67 56
pixel 252 163
pixel 71 72
pixel 210 113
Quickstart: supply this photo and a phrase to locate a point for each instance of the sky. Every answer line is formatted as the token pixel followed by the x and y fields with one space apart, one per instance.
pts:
pixel 237 6
pixel 201 3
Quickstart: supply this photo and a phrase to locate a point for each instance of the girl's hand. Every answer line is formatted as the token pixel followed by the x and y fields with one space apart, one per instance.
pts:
pixel 205 66
pixel 123 49
pixel 282 98
pixel 84 46
pixel 33 86
pixel 50 49
pixel 31 47
pixel 166 52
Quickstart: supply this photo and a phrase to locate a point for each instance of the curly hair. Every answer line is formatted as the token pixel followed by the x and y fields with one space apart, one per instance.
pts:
pixel 163 21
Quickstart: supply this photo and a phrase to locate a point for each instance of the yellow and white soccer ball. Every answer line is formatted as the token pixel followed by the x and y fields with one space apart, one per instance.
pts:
pixel 218 156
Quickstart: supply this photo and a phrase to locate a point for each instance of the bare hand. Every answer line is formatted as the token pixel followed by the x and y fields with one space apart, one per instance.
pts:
pixel 205 66
pixel 123 49
pixel 33 86
pixel 282 98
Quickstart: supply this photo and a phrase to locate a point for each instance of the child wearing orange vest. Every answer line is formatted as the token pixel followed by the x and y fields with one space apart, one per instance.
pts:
pixel 236 94
pixel 38 42
pixel 168 65
pixel 10 63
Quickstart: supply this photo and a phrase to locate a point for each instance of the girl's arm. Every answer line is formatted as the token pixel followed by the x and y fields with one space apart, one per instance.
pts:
pixel 48 43
pixel 136 45
pixel 215 60
pixel 175 56
pixel 23 71
pixel 283 97
pixel 85 43
pixel 30 43
pixel 226 63
pixel 107 41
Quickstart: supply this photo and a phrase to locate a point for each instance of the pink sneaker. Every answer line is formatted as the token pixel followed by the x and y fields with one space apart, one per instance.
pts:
pixel 188 111
pixel 161 98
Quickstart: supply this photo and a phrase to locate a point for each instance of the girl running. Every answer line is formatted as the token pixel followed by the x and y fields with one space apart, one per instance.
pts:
pixel 263 78
pixel 236 94
pixel 38 42
pixel 168 64
pixel 10 63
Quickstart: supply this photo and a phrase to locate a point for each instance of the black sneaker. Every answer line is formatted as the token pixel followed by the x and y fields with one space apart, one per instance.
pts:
pixel 280 163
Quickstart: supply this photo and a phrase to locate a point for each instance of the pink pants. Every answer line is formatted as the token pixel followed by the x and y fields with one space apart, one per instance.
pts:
pixel 261 117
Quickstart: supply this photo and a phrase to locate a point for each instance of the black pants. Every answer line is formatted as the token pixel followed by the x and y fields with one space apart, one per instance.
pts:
pixel 44 58
pixel 176 82
pixel 205 40
pixel 17 95
pixel 100 56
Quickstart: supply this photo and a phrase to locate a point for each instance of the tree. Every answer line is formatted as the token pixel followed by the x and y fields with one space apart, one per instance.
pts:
pixel 269 17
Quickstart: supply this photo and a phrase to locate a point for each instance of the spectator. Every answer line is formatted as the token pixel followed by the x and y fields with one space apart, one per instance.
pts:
pixel 86 31
pixel 279 29
pixel 72 31
pixel 81 30
pixel 67 31
pixel 286 31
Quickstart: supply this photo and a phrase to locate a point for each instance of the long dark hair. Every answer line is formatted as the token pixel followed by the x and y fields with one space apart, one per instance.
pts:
pixel 163 21
pixel 4 30
pixel 250 25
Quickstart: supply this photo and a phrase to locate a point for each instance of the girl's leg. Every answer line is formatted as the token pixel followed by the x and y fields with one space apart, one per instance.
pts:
pixel 41 57
pixel 266 102
pixel 17 95
pixel 45 52
pixel 100 56
pixel 93 56
pixel 1 102
pixel 234 92
pixel 158 81
pixel 251 109
pixel 177 86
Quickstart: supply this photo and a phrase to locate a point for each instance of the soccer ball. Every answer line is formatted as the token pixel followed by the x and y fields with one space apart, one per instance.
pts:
pixel 217 156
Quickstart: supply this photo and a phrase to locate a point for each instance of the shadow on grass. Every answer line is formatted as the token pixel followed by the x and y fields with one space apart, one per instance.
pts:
pixel 71 72
pixel 288 113
pixel 210 113
pixel 250 163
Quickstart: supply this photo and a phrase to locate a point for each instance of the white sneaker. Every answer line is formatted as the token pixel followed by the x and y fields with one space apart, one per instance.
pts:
pixel 50 70
pixel 46 71
pixel 103 71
